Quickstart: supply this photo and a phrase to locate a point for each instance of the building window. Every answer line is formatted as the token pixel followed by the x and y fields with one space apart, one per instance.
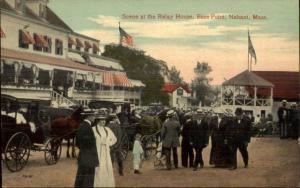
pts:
pixel 58 47
pixel 37 46
pixel 48 49
pixel 179 92
pixel 78 48
pixel 22 44
pixel 19 5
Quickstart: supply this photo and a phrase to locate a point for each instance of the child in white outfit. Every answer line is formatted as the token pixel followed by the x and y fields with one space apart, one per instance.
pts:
pixel 137 154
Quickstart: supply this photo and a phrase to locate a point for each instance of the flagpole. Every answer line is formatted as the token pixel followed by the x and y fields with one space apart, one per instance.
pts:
pixel 120 40
pixel 248 51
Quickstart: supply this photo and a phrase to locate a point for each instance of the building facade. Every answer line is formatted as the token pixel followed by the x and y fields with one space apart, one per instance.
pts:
pixel 43 59
pixel 180 96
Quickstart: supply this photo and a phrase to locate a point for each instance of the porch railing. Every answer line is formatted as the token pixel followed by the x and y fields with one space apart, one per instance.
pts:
pixel 58 100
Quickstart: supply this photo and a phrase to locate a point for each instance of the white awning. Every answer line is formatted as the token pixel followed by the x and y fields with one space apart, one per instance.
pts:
pixel 44 67
pixel 98 78
pixel 90 77
pixel 106 63
pixel 80 77
pixel 75 57
pixel 137 83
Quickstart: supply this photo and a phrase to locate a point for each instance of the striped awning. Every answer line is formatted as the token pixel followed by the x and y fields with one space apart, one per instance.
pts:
pixel 79 43
pixel 108 79
pixel 27 38
pixel 40 40
pixel 87 44
pixel 2 34
pixel 121 79
pixel 71 41
pixel 96 47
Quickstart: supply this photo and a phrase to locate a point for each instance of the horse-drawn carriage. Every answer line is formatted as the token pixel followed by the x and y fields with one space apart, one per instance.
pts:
pixel 21 135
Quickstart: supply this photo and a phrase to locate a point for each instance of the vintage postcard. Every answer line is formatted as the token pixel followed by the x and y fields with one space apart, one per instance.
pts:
pixel 148 93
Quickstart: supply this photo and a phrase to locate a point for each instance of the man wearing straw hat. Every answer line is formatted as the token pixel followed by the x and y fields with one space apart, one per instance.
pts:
pixel 170 138
pixel 199 139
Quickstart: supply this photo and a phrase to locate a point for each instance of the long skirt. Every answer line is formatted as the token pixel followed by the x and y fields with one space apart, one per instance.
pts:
pixel 219 154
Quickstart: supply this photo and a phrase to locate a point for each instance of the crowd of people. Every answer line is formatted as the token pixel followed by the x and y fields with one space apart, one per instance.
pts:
pixel 288 120
pixel 100 142
pixel 228 134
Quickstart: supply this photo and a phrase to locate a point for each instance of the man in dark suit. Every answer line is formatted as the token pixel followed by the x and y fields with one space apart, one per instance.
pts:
pixel 199 139
pixel 282 117
pixel 170 139
pixel 187 153
pixel 88 157
pixel 239 138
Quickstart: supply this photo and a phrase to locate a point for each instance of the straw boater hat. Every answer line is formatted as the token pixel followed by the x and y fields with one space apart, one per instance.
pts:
pixel 188 114
pixel 170 113
pixel 227 112
pixel 199 111
pixel 284 101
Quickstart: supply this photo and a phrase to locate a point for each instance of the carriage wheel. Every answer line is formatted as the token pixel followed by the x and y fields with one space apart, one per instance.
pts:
pixel 124 146
pixel 52 151
pixel 17 151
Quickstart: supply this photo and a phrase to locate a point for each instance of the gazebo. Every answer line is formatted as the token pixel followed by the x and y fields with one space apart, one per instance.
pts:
pixel 250 92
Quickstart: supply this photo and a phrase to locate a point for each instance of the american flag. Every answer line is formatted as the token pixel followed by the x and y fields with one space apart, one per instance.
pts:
pixel 125 38
pixel 251 50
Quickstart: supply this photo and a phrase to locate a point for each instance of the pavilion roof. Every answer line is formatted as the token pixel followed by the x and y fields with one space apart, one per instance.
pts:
pixel 248 78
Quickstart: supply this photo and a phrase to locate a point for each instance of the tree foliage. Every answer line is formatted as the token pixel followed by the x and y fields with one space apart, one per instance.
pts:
pixel 205 93
pixel 139 66
pixel 174 76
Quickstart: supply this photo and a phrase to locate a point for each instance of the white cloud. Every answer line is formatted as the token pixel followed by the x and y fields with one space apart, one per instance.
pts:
pixel 274 52
pixel 229 58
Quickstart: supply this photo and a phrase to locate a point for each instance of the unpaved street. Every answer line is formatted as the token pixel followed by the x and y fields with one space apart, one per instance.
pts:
pixel 273 162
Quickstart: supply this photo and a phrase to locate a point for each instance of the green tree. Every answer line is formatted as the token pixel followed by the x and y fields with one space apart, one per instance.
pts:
pixel 139 66
pixel 174 76
pixel 205 93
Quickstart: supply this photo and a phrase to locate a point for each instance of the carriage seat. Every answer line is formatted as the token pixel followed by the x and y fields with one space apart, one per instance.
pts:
pixel 21 120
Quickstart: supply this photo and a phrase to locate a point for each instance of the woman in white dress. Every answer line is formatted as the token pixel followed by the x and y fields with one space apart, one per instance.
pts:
pixel 104 176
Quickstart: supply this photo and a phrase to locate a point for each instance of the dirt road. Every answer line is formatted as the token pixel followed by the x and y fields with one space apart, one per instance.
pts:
pixel 273 162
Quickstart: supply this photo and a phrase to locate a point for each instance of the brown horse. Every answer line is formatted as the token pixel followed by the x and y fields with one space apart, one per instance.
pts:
pixel 66 127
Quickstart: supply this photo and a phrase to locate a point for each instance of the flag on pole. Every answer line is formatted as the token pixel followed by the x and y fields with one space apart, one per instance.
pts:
pixel 125 38
pixel 251 50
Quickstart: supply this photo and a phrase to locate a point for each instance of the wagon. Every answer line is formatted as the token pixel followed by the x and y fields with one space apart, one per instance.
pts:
pixel 19 136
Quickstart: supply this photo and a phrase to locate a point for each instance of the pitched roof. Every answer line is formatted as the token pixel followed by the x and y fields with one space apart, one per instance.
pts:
pixel 53 19
pixel 248 78
pixel 286 84
pixel 42 59
pixel 4 5
pixel 170 88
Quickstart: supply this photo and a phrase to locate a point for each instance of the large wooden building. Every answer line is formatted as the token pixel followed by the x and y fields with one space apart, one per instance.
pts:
pixel 43 59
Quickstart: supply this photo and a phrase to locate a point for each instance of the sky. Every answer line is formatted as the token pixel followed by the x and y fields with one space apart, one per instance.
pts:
pixel 212 31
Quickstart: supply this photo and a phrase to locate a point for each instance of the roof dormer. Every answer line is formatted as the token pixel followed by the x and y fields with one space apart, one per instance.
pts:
pixel 39 7
pixel 18 5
